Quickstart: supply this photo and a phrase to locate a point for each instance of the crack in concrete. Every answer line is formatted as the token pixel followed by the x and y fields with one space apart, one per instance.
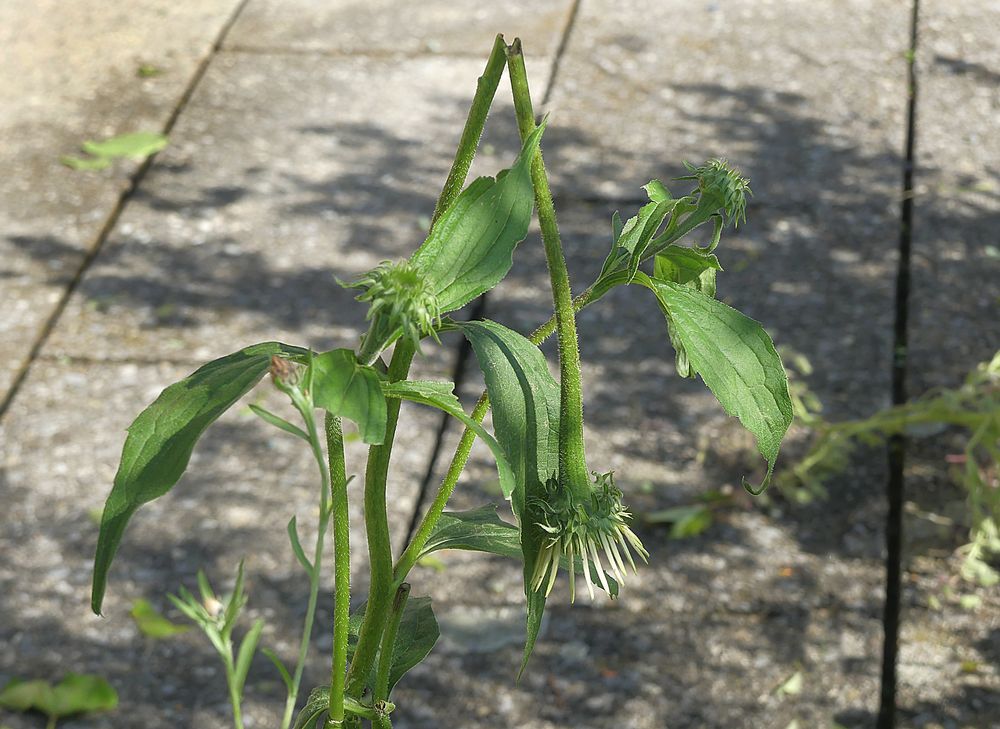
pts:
pixel 111 221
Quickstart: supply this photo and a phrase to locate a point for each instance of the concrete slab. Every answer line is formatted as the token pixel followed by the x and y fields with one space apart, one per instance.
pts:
pixel 954 310
pixel 351 27
pixel 810 102
pixel 62 439
pixel 285 174
pixel 69 73
pixel 765 591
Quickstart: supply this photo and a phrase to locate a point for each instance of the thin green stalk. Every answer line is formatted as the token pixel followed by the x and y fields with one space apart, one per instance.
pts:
pixel 305 408
pixel 377 530
pixel 389 642
pixel 51 723
pixel 486 88
pixel 234 695
pixel 572 460
pixel 342 565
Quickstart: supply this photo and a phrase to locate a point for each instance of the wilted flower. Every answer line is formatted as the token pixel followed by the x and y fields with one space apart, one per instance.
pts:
pixel 720 182
pixel 585 528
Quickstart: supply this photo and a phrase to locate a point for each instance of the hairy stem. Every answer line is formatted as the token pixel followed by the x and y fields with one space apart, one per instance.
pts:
pixel 342 565
pixel 389 642
pixel 486 88
pixel 572 460
pixel 377 530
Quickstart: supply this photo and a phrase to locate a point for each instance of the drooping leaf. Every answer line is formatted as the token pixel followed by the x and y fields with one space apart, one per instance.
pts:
pixel 85 164
pixel 694 267
pixel 344 387
pixel 471 247
pixel 136 144
pixel 482 530
pixel 440 395
pixel 151 623
pixel 525 402
pixel 161 439
pixel 736 359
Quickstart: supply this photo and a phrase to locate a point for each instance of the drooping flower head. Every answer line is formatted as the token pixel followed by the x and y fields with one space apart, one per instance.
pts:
pixel 723 184
pixel 585 527
pixel 401 300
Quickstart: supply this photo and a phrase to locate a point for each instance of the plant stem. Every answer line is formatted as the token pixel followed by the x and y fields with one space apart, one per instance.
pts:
pixel 306 409
pixel 234 695
pixel 342 564
pixel 377 530
pixel 389 642
pixel 486 88
pixel 572 460
pixel 51 724
pixel 376 521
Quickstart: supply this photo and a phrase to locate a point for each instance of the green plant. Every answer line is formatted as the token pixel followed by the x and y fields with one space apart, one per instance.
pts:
pixel 973 408
pixel 568 517
pixel 75 694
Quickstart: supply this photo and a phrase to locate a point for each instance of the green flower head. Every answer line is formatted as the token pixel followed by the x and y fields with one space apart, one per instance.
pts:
pixel 402 301
pixel 584 529
pixel 723 184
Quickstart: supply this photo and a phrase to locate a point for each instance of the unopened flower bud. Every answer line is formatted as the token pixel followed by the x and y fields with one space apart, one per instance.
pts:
pixel 723 185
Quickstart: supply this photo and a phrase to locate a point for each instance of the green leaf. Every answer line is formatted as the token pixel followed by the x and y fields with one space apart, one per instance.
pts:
pixel 300 554
pixel 278 422
pixel 440 395
pixel 418 632
pixel 482 530
pixel 136 144
pixel 319 701
pixel 690 266
pixel 471 247
pixel 82 694
pixel 20 695
pixel 477 530
pixel 286 677
pixel 525 402
pixel 736 359
pixel 631 240
pixel 152 623
pixel 316 704
pixel 685 521
pixel 245 656
pixel 346 388
pixel 791 686
pixel 161 439
pixel 85 164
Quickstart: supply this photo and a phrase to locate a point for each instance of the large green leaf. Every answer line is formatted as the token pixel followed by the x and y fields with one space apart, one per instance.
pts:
pixel 525 402
pixel 736 359
pixel 471 247
pixel 344 387
pixel 161 439
pixel 440 395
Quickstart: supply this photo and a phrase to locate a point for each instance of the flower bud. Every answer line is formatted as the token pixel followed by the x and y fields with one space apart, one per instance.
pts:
pixel 584 528
pixel 723 185
pixel 402 303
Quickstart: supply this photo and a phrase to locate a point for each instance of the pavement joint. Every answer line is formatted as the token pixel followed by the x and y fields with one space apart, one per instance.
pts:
pixel 94 250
